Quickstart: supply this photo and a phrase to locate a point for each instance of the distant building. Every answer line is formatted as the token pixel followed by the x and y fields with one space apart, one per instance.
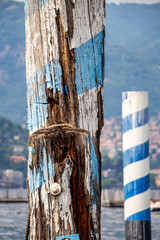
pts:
pixel 18 149
pixel 109 173
pixel 112 152
pixel 17 159
pixel 155 171
pixel 111 137
pixel 10 178
pixel 157 181
pixel 23 126
pixel 16 138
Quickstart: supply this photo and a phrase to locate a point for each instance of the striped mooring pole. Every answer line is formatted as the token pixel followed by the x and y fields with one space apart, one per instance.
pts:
pixel 136 165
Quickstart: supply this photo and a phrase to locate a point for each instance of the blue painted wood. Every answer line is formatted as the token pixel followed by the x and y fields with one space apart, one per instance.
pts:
pixel 136 154
pixel 95 195
pixel 140 119
pixel 88 66
pixel 141 216
pixel 89 70
pixel 136 187
pixel 68 237
pixel 138 230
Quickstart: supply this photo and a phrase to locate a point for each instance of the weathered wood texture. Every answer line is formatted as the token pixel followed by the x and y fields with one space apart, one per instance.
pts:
pixel 64 69
pixel 138 230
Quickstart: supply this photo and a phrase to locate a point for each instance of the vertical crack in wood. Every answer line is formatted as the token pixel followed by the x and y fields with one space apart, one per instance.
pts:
pixel 70 21
pixel 69 168
pixel 57 95
pixel 67 61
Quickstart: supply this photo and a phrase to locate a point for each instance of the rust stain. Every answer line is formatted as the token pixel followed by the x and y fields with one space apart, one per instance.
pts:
pixel 67 60
pixel 62 140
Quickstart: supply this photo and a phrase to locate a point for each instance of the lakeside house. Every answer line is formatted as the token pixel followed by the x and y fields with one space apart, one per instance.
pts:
pixel 10 178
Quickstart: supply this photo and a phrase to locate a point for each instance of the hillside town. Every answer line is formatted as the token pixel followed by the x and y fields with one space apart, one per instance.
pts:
pixel 111 143
pixel 111 137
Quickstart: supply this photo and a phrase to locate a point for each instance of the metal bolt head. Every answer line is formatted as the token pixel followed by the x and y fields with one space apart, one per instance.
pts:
pixel 55 189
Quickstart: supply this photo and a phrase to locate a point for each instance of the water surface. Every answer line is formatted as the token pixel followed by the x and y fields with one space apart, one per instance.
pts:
pixel 13 218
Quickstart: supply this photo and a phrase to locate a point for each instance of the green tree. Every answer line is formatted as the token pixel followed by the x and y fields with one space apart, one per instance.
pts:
pixel 106 161
pixel 152 180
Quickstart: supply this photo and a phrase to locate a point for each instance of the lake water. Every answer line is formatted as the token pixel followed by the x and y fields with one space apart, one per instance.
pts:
pixel 13 219
pixel 112 224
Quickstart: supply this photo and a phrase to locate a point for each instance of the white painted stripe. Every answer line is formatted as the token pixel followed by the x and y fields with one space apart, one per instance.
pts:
pixel 87 16
pixel 43 26
pixel 88 110
pixel 135 102
pixel 135 137
pixel 137 204
pixel 38 27
pixel 135 171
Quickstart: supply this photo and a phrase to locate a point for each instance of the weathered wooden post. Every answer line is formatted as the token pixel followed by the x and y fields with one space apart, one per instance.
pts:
pixel 64 69
pixel 136 165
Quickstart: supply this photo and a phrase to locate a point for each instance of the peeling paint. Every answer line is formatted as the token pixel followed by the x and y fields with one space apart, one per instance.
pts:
pixel 66 89
pixel 64 71
pixel 95 194
pixel 65 197
pixel 36 102
pixel 53 73
pixel 36 94
pixel 69 237
pixel 88 116
pixel 95 164
pixel 89 64
pixel 37 6
pixel 38 177
pixel 50 167
pixel 62 205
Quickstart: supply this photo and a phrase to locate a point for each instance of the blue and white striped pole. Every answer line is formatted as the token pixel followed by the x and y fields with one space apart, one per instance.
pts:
pixel 136 165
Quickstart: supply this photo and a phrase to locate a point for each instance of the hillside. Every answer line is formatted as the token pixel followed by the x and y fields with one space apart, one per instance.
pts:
pixel 132 54
pixel 130 71
pixel 132 57
pixel 12 61
pixel 11 136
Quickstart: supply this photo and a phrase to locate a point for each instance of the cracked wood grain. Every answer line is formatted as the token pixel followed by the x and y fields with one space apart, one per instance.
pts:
pixel 64 71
